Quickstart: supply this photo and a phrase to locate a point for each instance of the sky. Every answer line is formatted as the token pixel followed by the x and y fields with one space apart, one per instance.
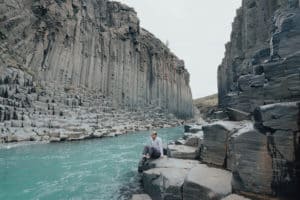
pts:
pixel 196 30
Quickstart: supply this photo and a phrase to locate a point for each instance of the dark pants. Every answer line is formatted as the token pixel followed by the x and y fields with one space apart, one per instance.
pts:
pixel 153 153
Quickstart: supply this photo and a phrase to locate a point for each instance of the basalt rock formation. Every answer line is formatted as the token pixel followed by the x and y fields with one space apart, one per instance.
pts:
pixel 58 56
pixel 258 146
pixel 259 80
pixel 261 64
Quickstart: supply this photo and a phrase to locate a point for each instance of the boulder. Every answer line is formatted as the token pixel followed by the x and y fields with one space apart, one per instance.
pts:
pixel 54 139
pixel 55 134
pixel 237 115
pixel 250 161
pixel 215 141
pixel 97 134
pixel 203 182
pixel 75 136
pixel 220 115
pixel 183 152
pixel 163 178
pixel 279 116
pixel 11 138
pixel 141 197
pixel 164 183
pixel 194 140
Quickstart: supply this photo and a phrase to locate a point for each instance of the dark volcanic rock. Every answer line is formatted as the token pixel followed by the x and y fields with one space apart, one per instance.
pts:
pixel 260 76
pixel 164 183
pixel 264 157
pixel 163 178
pixel 203 182
pixel 85 64
pixel 237 115
pixel 183 152
pixel 261 64
pixel 215 141
pixel 250 161
pixel 98 45
pixel 280 116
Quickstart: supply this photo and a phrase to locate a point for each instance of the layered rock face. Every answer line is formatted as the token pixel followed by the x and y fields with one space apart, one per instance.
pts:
pixel 260 79
pixel 261 64
pixel 95 45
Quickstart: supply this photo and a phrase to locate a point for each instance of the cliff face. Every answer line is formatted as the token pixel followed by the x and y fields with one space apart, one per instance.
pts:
pixel 261 64
pixel 259 79
pixel 95 45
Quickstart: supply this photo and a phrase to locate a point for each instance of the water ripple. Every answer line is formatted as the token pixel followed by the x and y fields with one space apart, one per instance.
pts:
pixel 94 169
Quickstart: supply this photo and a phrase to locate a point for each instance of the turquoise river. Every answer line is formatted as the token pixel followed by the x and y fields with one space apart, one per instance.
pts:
pixel 102 169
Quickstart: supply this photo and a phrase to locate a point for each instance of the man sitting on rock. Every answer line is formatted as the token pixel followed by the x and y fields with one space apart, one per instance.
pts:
pixel 155 149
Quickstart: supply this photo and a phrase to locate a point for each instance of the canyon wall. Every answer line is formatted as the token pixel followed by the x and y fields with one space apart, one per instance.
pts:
pixel 259 81
pixel 94 45
pixel 262 60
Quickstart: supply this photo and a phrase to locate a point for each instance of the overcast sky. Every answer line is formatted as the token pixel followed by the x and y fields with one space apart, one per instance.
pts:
pixel 197 31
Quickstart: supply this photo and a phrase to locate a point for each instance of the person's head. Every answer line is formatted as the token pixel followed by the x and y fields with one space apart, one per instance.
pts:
pixel 153 135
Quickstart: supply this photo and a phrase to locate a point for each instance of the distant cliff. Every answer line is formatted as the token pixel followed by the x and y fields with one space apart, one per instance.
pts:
pixel 96 45
pixel 262 60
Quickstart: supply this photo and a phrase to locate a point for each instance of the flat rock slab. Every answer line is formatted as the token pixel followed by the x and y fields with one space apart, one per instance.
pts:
pixel 203 182
pixel 167 162
pixel 141 197
pixel 237 115
pixel 174 163
pixel 165 177
pixel 183 152
pixel 235 197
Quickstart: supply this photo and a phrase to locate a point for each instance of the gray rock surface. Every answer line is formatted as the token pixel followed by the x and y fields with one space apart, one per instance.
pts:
pixel 251 162
pixel 141 197
pixel 280 122
pixel 280 116
pixel 183 151
pixel 235 197
pixel 215 141
pixel 195 140
pixel 164 183
pixel 237 115
pixel 259 75
pixel 97 45
pixel 84 63
pixel 261 64
pixel 173 162
pixel 203 182
pixel 164 177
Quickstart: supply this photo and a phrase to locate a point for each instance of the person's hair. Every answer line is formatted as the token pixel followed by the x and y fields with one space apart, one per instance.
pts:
pixel 154 133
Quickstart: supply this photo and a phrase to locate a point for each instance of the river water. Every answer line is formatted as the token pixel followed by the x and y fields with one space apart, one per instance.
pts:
pixel 104 169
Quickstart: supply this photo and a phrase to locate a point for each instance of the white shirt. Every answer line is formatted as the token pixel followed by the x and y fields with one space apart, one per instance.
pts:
pixel 157 144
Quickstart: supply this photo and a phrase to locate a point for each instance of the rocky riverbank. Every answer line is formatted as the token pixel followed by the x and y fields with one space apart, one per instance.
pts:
pixel 74 116
pixel 181 174
pixel 30 112
pixel 251 146
pixel 226 159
